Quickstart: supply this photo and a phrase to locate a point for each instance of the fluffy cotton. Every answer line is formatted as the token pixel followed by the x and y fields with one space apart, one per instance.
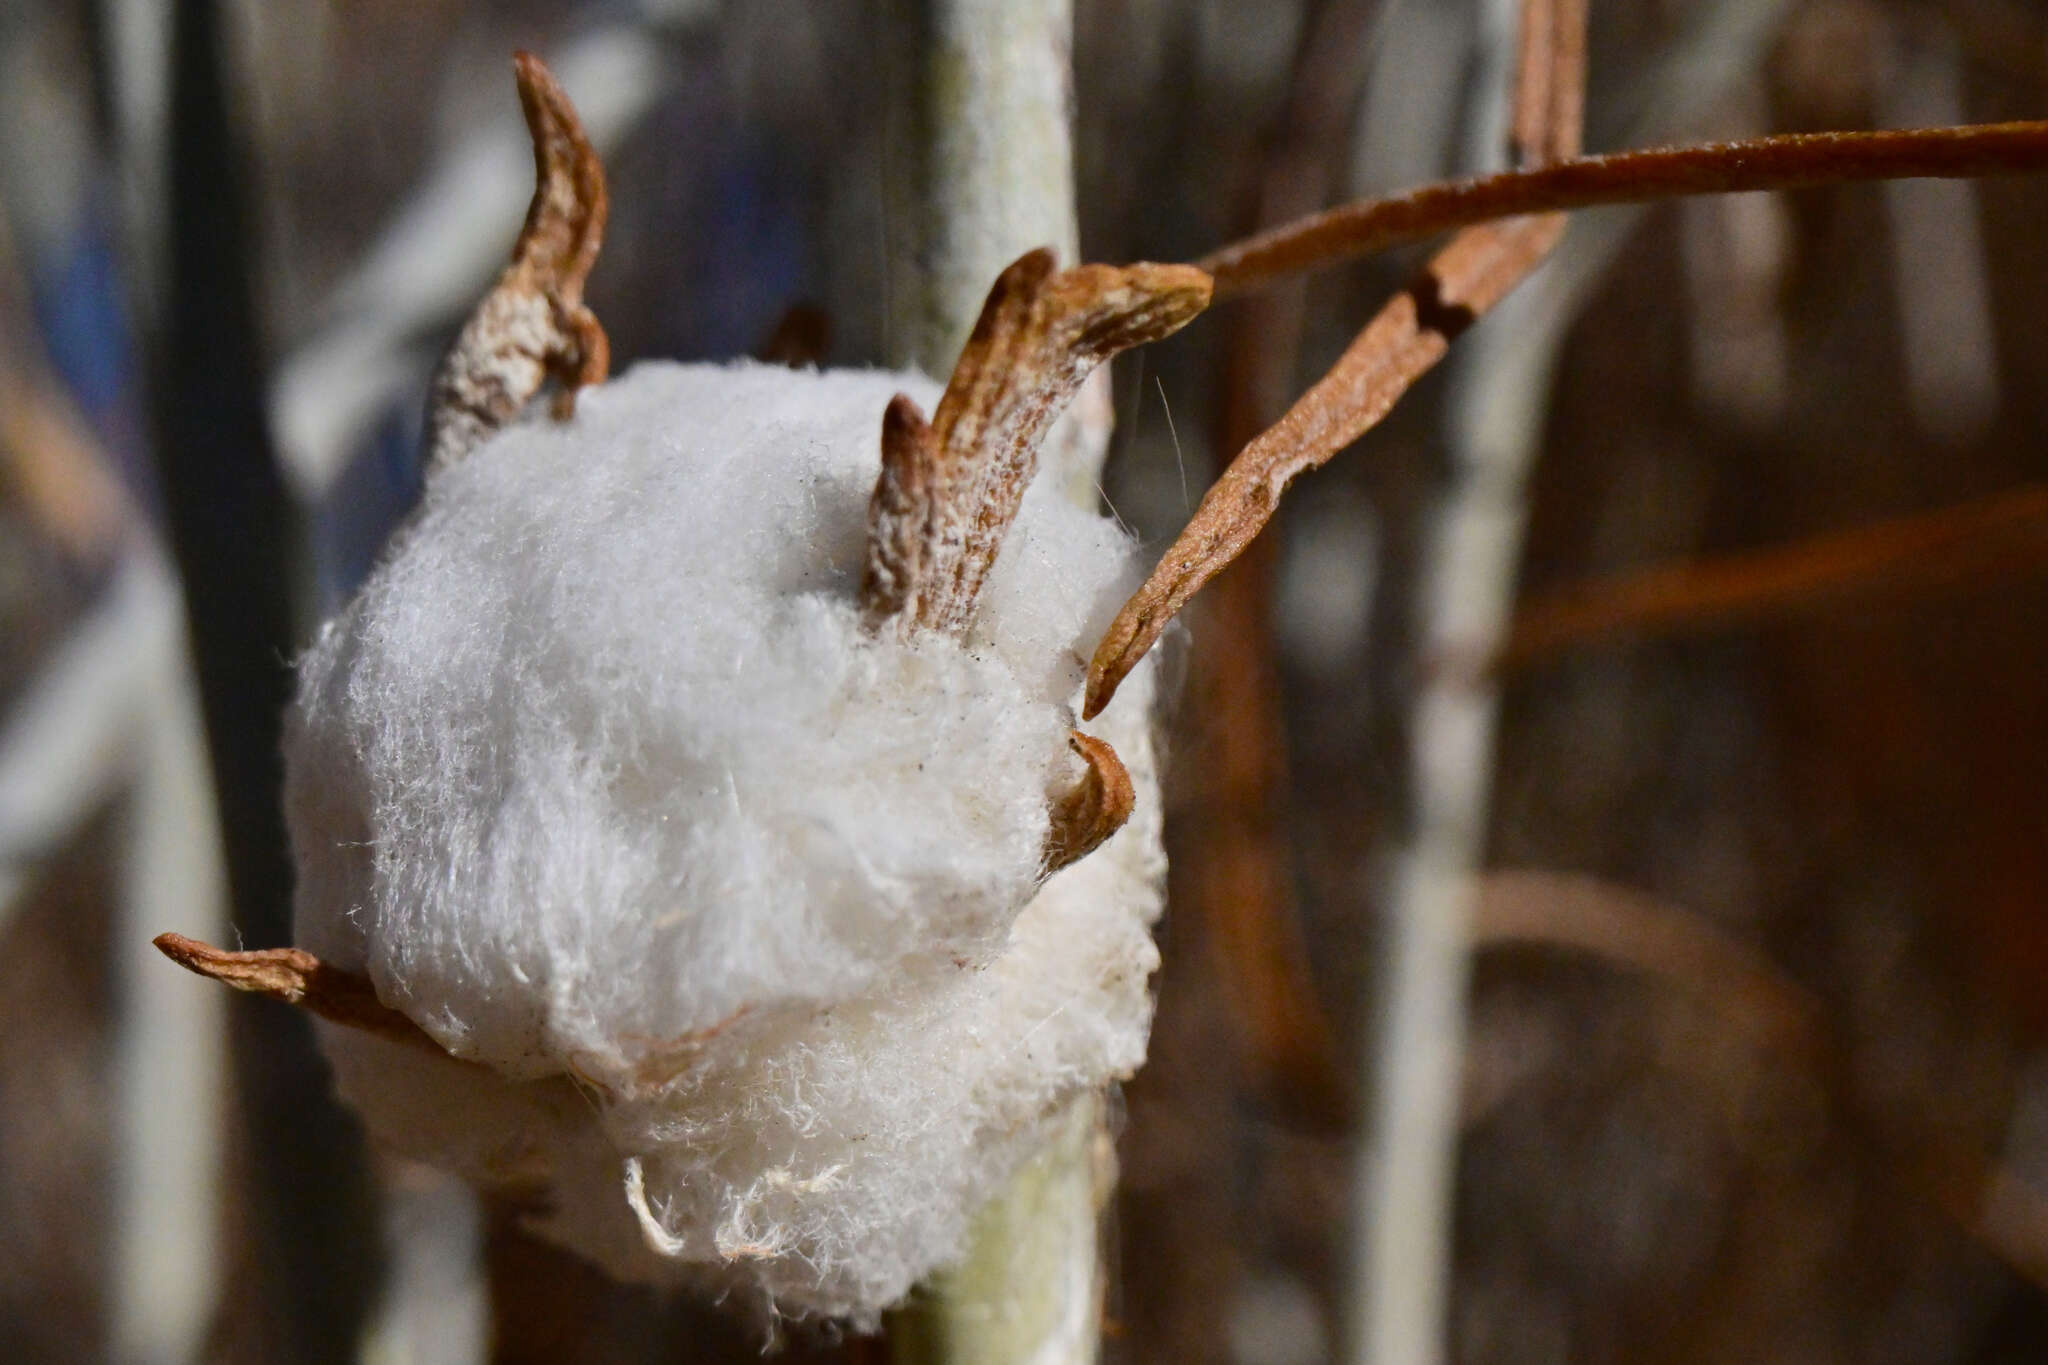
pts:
pixel 732 910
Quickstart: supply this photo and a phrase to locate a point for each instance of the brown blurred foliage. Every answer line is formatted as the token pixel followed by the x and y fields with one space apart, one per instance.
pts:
pixel 1843 794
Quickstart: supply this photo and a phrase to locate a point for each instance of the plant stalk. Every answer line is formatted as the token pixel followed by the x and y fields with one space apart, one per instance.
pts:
pixel 981 170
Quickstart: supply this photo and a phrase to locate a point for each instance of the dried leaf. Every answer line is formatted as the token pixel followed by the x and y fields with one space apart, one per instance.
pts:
pixel 1093 809
pixel 532 326
pixel 948 493
pixel 1785 162
pixel 296 977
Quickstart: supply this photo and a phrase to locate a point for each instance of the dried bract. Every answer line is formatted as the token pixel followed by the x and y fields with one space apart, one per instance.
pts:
pixel 533 325
pixel 1093 808
pixel 948 492
pixel 296 977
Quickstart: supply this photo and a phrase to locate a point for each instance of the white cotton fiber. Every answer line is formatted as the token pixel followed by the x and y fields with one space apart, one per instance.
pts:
pixel 602 782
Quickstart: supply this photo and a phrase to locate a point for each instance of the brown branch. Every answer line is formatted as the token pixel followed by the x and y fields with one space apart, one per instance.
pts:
pixel 1791 161
pixel 950 488
pixel 1093 808
pixel 900 515
pixel 296 977
pixel 1549 115
pixel 1397 347
pixel 949 491
pixel 1408 336
pixel 533 325
pixel 1997 533
pixel 1400 344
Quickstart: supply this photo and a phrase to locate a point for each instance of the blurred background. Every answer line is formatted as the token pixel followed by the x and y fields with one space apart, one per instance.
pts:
pixel 1756 1064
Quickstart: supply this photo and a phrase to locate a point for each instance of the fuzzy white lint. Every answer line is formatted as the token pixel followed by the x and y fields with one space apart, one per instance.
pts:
pixel 732 910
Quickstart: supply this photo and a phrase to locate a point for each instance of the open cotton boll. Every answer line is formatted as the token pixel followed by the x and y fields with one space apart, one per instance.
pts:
pixel 603 783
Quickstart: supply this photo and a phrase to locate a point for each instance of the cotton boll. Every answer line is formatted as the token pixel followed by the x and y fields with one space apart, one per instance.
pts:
pixel 603 783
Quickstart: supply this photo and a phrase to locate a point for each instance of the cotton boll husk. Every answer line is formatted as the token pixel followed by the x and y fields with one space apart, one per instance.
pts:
pixel 602 782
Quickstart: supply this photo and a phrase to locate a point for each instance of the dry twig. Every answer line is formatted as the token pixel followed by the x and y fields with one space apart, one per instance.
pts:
pixel 1549 114
pixel 1408 336
pixel 1784 162
pixel 1397 347
pixel 533 325
pixel 1479 266
pixel 950 488
pixel 1646 935
pixel 1638 933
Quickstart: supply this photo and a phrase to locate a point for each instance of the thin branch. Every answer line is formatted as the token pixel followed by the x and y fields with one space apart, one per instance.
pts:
pixel 1412 333
pixel 1993 534
pixel 1550 84
pixel 1397 347
pixel 532 326
pixel 949 489
pixel 1784 162
pixel 1629 929
pixel 1408 336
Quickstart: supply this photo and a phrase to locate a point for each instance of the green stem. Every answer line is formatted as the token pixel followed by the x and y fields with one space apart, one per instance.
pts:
pixel 1030 1289
pixel 982 171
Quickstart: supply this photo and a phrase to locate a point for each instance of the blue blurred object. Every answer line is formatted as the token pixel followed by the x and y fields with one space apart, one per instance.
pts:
pixel 81 309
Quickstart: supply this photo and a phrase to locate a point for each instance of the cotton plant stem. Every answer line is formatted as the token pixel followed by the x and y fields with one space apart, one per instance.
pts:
pixel 981 167
pixel 986 171
pixel 1029 1292
pixel 1499 386
pixel 982 172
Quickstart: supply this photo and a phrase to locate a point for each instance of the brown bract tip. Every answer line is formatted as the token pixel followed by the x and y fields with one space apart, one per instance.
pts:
pixel 900 514
pixel 1093 808
pixel 296 977
pixel 532 326
pixel 949 491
